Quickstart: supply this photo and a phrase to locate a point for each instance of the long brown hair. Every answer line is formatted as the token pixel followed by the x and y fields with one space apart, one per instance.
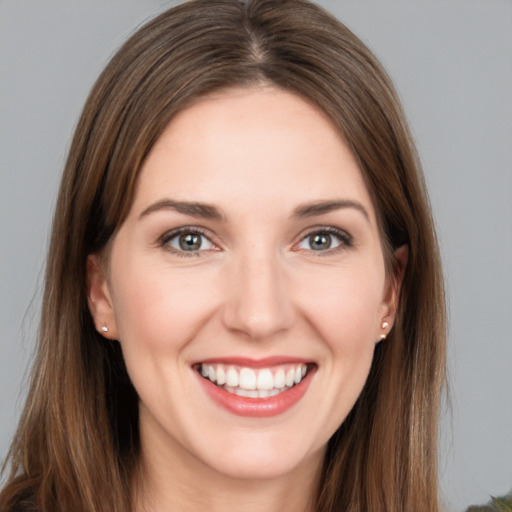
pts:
pixel 77 445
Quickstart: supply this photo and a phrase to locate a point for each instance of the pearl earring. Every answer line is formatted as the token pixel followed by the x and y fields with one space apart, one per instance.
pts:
pixel 384 325
pixel 104 327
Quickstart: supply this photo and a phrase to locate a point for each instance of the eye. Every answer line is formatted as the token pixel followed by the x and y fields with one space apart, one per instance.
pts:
pixel 325 240
pixel 187 240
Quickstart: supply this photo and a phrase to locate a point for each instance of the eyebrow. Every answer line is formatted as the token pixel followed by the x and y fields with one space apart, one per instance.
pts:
pixel 208 211
pixel 323 207
pixel 194 209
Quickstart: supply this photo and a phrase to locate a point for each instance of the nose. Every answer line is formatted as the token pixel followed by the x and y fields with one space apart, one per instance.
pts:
pixel 258 300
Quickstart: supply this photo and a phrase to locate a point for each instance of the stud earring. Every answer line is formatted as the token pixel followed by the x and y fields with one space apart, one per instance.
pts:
pixel 383 336
pixel 104 327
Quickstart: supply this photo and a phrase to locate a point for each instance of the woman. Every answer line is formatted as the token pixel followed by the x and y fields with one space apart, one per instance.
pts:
pixel 243 300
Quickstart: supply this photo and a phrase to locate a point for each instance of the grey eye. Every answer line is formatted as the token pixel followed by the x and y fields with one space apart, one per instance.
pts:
pixel 320 242
pixel 190 241
pixel 324 241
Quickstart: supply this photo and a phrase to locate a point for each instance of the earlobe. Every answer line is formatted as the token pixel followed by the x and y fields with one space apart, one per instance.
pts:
pixel 393 290
pixel 99 298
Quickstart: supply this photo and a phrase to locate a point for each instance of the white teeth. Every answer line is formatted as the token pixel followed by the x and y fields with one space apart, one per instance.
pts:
pixel 254 383
pixel 279 379
pixel 221 375
pixel 247 379
pixel 246 392
pixel 290 377
pixel 232 378
pixel 265 380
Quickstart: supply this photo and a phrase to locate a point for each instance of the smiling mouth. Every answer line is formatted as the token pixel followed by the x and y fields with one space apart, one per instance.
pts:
pixel 251 382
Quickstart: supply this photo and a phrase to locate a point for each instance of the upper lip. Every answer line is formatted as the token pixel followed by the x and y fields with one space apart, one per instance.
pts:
pixel 254 363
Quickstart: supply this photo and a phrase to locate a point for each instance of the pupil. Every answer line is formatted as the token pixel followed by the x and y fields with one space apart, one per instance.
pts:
pixel 190 242
pixel 319 242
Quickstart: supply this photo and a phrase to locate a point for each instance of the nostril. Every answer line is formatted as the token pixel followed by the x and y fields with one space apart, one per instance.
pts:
pixel 258 319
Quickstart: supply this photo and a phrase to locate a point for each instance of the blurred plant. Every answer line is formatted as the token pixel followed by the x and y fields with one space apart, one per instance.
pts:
pixel 503 504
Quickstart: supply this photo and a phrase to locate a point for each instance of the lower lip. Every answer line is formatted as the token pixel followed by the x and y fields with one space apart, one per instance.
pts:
pixel 257 407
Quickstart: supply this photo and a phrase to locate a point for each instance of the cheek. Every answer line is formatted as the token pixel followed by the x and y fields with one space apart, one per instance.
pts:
pixel 156 309
pixel 346 307
pixel 158 313
pixel 346 312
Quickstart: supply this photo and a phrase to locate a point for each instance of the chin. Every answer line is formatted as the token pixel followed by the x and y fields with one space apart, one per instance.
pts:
pixel 261 458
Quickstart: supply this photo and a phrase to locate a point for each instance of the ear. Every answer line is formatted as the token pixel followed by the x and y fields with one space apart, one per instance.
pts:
pixel 392 295
pixel 99 298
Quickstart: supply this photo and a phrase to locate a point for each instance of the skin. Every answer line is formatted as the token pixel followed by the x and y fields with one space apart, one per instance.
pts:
pixel 255 289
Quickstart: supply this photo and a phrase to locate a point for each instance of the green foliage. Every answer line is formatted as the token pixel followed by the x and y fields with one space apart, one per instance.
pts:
pixel 503 504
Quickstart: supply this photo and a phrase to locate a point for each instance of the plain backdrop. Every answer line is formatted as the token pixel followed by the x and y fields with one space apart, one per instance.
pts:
pixel 452 64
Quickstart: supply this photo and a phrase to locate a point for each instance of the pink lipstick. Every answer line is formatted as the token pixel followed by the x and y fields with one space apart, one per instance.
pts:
pixel 255 388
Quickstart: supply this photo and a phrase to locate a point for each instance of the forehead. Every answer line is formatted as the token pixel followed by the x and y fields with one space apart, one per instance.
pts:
pixel 253 147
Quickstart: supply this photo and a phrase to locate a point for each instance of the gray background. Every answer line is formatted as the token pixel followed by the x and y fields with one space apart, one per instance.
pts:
pixel 452 64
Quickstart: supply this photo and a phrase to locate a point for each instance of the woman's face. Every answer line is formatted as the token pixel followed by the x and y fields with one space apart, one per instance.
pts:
pixel 250 255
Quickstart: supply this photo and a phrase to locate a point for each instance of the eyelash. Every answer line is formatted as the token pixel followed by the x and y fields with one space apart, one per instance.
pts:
pixel 345 239
pixel 186 230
